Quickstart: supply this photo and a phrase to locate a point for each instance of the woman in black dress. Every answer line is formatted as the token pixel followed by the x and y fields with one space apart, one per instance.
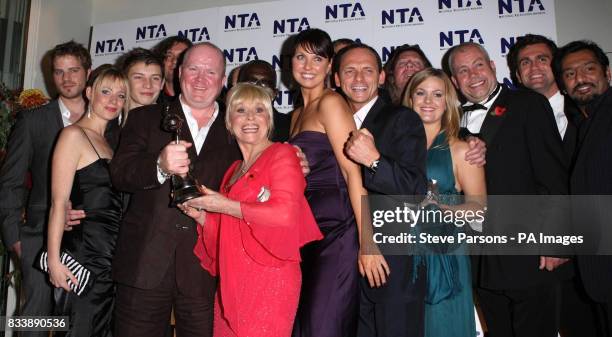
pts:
pixel 80 175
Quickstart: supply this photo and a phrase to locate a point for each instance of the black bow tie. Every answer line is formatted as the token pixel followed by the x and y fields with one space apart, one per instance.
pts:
pixel 478 106
pixel 473 107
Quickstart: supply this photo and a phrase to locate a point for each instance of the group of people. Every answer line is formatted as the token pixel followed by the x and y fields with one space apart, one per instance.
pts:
pixel 277 243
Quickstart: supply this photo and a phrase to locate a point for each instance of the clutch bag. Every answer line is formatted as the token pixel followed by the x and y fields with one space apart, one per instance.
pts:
pixel 83 275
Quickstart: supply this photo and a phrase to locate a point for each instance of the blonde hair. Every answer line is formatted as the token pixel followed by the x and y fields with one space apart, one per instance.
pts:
pixel 111 75
pixel 450 117
pixel 243 92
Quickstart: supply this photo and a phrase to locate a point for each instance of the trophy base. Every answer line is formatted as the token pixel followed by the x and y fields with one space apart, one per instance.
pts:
pixel 184 194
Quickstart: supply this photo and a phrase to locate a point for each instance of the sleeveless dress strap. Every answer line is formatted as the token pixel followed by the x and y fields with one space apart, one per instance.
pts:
pixel 90 143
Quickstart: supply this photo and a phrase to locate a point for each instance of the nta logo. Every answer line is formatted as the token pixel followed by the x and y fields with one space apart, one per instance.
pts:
pixel 460 4
pixel 196 34
pixel 406 15
pixel 248 20
pixel 295 25
pixel 245 54
pixel 345 10
pixel 150 32
pixel 507 6
pixel 284 95
pixel 109 46
pixel 506 44
pixel 452 38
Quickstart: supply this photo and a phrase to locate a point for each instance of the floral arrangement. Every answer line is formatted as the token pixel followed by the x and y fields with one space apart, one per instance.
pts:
pixel 11 103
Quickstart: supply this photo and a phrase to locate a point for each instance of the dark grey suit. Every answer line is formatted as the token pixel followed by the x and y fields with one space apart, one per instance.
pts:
pixel 29 149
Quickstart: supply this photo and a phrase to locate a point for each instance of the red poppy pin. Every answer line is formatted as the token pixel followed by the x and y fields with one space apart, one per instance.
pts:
pixel 498 111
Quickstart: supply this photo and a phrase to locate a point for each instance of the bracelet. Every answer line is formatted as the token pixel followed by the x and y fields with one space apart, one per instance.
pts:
pixel 161 172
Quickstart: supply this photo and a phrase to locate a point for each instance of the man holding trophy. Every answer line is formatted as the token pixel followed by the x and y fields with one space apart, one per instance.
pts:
pixel 154 264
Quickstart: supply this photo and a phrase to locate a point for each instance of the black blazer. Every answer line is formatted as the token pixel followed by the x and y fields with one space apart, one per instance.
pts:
pixel 400 138
pixel 592 175
pixel 524 157
pixel 29 149
pixel 153 234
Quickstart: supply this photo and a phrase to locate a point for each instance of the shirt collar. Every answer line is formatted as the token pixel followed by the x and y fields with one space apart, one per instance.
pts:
pixel 361 114
pixel 189 115
pixel 63 109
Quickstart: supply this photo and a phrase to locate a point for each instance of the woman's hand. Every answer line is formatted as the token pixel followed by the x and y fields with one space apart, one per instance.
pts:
pixel 60 274
pixel 197 214
pixel 211 201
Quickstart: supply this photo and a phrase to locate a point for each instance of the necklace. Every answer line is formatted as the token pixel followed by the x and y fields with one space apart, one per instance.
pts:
pixel 245 166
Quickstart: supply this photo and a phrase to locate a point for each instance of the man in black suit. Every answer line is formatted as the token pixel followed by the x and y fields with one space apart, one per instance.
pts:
pixel 582 70
pixel 530 64
pixel 390 303
pixel 391 148
pixel 154 264
pixel 29 149
pixel 518 295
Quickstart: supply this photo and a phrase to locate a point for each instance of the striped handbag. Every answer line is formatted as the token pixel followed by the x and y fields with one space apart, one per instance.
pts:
pixel 83 275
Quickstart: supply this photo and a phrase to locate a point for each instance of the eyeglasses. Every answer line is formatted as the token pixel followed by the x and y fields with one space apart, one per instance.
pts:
pixel 261 83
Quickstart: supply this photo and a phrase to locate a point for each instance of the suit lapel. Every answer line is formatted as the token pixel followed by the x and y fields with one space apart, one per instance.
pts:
pixel 54 105
pixel 372 116
pixel 495 117
pixel 217 134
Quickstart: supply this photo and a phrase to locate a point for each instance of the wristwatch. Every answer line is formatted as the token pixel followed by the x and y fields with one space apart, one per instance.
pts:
pixel 374 166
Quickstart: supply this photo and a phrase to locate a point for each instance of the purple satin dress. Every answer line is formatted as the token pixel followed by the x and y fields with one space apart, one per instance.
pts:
pixel 330 288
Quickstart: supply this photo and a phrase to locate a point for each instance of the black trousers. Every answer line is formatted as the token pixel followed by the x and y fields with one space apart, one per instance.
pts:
pixel 146 312
pixel 392 317
pixel 528 312
pixel 578 311
pixel 37 292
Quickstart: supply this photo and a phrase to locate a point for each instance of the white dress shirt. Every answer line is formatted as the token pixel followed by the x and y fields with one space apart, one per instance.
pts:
pixel 557 102
pixel 198 134
pixel 65 112
pixel 361 114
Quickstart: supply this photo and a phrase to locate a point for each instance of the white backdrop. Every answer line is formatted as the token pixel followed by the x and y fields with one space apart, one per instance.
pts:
pixel 257 31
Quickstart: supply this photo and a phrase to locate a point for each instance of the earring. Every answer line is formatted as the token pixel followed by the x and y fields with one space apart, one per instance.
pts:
pixel 89 112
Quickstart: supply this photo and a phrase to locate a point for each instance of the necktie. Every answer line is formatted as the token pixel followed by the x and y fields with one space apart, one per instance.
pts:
pixel 478 106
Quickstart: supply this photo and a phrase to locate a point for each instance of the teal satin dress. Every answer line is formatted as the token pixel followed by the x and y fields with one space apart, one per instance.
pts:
pixel 449 308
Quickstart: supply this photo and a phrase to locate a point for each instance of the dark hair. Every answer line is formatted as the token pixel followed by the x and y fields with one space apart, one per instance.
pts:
pixel 164 45
pixel 72 48
pixel 315 41
pixel 573 47
pixel 357 45
pixel 249 70
pixel 396 93
pixel 345 41
pixel 136 55
pixel 521 43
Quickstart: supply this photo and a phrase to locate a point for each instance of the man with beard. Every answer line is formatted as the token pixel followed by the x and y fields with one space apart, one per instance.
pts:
pixel 530 63
pixel 29 149
pixel 582 70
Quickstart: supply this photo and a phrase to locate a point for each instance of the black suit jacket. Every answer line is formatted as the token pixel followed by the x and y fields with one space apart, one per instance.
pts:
pixel 149 241
pixel 592 175
pixel 524 157
pixel 400 138
pixel 29 149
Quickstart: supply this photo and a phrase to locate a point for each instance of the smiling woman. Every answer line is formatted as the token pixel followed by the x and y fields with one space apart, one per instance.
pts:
pixel 262 218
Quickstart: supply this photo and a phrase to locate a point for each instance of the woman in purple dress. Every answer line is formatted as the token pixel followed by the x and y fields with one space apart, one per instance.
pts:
pixel 320 127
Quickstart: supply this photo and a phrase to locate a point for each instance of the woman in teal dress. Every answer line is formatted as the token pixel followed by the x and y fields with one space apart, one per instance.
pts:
pixel 449 310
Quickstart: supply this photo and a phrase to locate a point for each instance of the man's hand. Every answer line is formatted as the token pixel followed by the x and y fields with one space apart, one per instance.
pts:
pixel 303 161
pixel 361 147
pixel 174 159
pixel 375 268
pixel 551 263
pixel 73 217
pixel 16 248
pixel 476 155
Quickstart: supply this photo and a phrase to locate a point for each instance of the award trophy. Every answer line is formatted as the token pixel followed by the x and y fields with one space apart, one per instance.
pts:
pixel 183 187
